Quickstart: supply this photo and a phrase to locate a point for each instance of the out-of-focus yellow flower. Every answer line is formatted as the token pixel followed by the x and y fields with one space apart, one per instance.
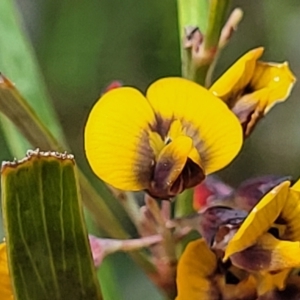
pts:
pixel 255 249
pixel 6 292
pixel 162 143
pixel 251 87
pixel 199 276
pixel 265 249
pixel 281 205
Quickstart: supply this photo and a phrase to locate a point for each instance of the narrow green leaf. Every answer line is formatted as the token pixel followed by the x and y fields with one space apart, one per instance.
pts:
pixel 48 248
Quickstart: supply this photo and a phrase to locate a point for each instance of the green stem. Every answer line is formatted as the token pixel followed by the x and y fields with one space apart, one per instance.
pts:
pixel 184 204
pixel 200 48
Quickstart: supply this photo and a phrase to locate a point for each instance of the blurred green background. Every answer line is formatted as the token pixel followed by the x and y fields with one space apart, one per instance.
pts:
pixel 82 46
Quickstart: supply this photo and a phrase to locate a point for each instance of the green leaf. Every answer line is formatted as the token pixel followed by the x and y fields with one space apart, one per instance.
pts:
pixel 47 243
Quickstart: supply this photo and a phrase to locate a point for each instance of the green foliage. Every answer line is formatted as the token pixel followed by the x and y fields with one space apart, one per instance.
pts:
pixel 47 242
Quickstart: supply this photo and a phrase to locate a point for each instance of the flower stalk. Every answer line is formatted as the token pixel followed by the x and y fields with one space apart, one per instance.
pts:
pixel 203 35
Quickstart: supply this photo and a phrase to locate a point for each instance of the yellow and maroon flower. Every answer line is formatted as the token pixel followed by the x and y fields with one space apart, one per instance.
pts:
pixel 251 87
pixel 262 253
pixel 200 275
pixel 268 242
pixel 163 142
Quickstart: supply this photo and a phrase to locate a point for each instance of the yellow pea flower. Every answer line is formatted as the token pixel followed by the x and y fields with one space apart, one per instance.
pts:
pixel 6 292
pixel 200 277
pixel 163 142
pixel 271 258
pixel 281 203
pixel 251 87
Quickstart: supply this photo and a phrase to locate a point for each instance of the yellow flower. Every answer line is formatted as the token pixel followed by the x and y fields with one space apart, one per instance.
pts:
pixel 199 276
pixel 268 241
pixel 251 87
pixel 163 142
pixel 5 284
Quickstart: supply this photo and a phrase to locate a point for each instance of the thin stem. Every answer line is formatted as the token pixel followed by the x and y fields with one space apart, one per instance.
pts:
pixel 164 253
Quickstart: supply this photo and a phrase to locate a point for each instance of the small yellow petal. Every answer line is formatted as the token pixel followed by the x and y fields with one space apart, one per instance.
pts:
pixel 237 77
pixel 196 266
pixel 245 289
pixel 6 292
pixel 116 138
pixel 175 130
pixel 296 186
pixel 276 80
pixel 156 142
pixel 267 281
pixel 167 180
pixel 259 220
pixel 214 129
pixel 173 158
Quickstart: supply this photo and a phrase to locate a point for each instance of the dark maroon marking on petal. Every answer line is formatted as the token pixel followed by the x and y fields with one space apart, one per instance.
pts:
pixel 145 162
pixel 160 188
pixel 251 191
pixel 216 216
pixel 252 259
pixel 161 125
pixel 291 291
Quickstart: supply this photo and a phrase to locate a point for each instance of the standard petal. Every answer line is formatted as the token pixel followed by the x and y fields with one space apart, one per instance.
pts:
pixel 116 139
pixel 6 292
pixel 196 266
pixel 231 84
pixel 259 220
pixel 216 132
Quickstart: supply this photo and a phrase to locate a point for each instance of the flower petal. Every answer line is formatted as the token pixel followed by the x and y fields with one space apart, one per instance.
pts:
pixel 215 131
pixel 170 163
pixel 267 281
pixel 290 215
pixel 196 265
pixel 249 193
pixel 245 289
pixel 116 138
pixel 276 80
pixel 237 77
pixel 268 254
pixel 6 292
pixel 259 220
